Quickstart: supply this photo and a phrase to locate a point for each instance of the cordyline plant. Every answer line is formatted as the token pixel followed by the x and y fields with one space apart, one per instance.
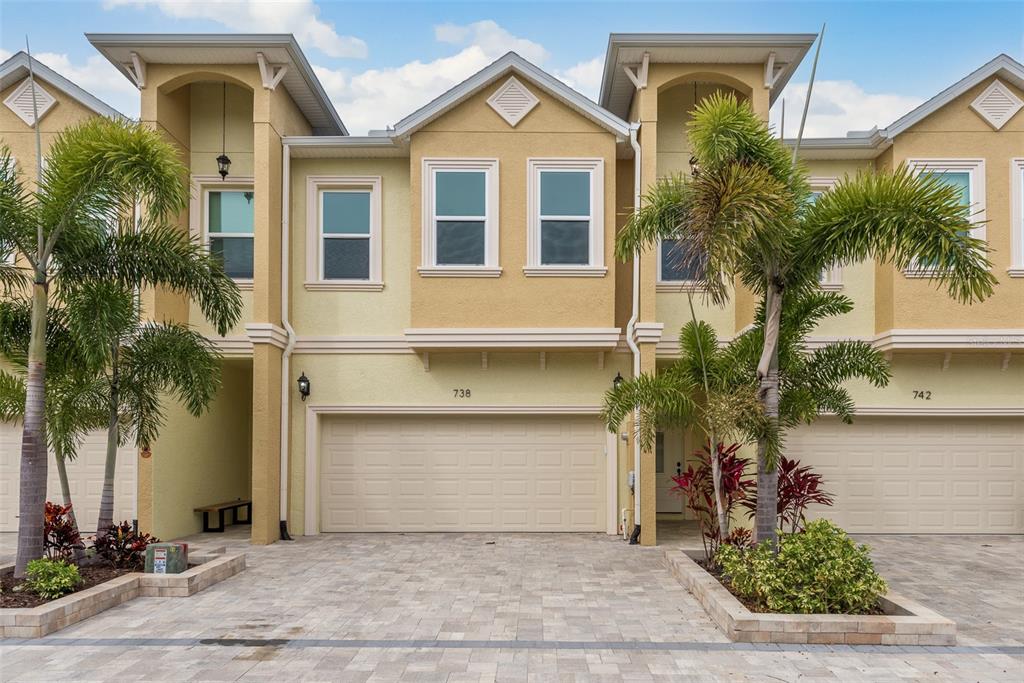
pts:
pixel 746 216
pixel 799 487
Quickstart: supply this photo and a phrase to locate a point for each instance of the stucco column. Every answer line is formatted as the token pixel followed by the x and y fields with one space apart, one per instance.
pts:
pixel 648 476
pixel 266 432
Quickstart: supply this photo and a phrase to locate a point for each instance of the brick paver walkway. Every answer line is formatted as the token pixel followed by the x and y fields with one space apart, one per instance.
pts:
pixel 540 606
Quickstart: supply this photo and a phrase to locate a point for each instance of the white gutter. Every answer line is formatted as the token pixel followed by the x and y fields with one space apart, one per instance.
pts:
pixel 286 355
pixel 634 128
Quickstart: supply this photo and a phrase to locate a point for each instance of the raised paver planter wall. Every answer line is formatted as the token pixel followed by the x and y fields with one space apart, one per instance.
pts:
pixel 905 622
pixel 36 622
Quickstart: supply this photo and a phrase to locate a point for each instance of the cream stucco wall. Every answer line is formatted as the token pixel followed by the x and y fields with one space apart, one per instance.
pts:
pixel 551 130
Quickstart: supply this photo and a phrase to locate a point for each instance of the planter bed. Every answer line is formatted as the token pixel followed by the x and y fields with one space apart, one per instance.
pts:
pixel 902 622
pixel 36 622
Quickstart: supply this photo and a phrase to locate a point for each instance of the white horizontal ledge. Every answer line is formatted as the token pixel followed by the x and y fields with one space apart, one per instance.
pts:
pixel 565 271
pixel 950 339
pixel 513 338
pixel 456 271
pixel 351 345
pixel 455 410
pixel 343 286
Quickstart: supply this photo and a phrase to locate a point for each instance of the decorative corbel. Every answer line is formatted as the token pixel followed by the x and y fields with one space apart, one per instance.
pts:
pixel 271 75
pixel 137 70
pixel 639 76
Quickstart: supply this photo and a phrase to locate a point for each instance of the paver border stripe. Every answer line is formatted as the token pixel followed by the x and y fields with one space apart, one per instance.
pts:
pixel 703 646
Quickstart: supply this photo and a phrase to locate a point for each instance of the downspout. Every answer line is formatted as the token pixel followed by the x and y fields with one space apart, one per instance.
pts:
pixel 634 537
pixel 286 356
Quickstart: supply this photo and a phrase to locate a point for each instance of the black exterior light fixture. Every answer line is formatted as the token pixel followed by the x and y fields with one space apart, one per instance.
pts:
pixel 617 381
pixel 224 161
pixel 303 386
pixel 694 167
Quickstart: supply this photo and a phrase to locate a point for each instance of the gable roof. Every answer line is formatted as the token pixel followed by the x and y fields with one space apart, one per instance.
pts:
pixel 868 144
pixel 510 63
pixel 15 69
pixel 299 80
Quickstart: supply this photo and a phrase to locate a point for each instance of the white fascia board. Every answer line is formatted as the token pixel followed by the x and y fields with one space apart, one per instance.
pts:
pixel 510 62
pixel 16 68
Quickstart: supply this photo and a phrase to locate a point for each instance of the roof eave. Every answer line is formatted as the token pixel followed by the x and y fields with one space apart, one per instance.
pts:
pixel 84 97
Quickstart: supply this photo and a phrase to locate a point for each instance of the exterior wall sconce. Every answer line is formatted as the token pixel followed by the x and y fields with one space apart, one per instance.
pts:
pixel 694 167
pixel 617 381
pixel 303 386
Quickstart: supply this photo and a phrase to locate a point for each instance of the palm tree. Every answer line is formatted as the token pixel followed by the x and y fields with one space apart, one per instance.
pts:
pixel 746 215
pixel 96 171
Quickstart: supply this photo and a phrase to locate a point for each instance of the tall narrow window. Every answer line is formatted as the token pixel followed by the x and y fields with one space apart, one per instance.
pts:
pixel 229 230
pixel 460 235
pixel 830 278
pixel 346 234
pixel 343 233
pixel 967 177
pixel 566 201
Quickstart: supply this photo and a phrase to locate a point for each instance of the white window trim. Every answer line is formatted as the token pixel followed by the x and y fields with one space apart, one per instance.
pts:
pixel 833 277
pixel 1016 268
pixel 663 285
pixel 315 188
pixel 428 266
pixel 202 185
pixel 976 169
pixel 596 267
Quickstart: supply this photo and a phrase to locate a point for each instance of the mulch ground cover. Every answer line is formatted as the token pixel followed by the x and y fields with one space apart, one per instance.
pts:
pixel 92 575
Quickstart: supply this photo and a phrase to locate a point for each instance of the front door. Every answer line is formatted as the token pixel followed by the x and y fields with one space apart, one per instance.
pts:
pixel 668 462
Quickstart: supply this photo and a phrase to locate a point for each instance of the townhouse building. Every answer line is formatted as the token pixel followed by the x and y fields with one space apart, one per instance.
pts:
pixel 446 288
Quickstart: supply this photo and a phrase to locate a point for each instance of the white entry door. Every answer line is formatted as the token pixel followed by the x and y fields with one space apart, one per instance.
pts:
pixel 85 476
pixel 669 462
pixel 463 473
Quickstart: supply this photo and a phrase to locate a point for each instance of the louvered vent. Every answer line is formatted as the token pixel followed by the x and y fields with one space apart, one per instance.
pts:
pixel 997 105
pixel 512 101
pixel 20 101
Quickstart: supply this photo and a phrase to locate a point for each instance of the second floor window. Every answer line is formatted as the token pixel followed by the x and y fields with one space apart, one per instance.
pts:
pixel 829 278
pixel 680 261
pixel 229 230
pixel 967 177
pixel 460 226
pixel 345 231
pixel 566 217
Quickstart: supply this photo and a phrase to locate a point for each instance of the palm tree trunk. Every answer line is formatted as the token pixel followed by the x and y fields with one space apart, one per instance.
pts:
pixel 65 492
pixel 766 521
pixel 106 516
pixel 32 493
pixel 716 481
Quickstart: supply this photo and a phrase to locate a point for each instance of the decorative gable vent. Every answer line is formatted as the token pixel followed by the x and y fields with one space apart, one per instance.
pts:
pixel 997 105
pixel 20 101
pixel 512 101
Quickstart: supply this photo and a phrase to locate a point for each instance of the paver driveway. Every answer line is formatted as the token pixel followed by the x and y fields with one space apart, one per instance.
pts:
pixel 453 607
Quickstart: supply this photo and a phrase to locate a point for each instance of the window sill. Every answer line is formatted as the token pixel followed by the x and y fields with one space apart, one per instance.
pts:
pixel 243 284
pixel 1015 271
pixel 343 286
pixel 830 286
pixel 459 271
pixel 565 271
pixel 679 286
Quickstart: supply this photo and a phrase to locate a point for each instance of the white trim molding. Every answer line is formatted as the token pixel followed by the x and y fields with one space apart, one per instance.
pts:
pixel 648 333
pixel 429 266
pixel 975 168
pixel 199 187
pixel 595 266
pixel 352 345
pixel 1016 268
pixel 315 188
pixel 965 411
pixel 831 279
pixel 312 448
pixel 232 347
pixel 950 339
pixel 266 333
pixel 513 338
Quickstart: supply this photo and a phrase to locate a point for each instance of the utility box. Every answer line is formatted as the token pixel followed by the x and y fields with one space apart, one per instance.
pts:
pixel 166 558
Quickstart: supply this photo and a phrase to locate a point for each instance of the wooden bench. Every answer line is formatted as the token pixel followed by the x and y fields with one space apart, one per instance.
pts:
pixel 221 508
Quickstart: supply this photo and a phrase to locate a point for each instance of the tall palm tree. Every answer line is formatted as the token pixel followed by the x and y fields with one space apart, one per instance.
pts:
pixel 96 171
pixel 746 216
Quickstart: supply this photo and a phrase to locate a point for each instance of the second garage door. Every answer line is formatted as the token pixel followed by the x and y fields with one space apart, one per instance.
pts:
pixel 462 473
pixel 919 474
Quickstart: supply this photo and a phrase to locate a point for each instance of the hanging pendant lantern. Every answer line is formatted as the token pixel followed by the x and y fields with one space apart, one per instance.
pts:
pixel 224 161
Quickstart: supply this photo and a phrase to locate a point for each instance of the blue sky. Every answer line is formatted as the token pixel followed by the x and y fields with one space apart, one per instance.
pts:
pixel 380 60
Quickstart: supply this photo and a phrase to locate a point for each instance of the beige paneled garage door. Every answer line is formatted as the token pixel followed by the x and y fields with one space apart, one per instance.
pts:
pixel 85 476
pixel 462 473
pixel 919 475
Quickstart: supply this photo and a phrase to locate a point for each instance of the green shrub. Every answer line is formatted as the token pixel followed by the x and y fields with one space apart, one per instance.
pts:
pixel 819 571
pixel 51 579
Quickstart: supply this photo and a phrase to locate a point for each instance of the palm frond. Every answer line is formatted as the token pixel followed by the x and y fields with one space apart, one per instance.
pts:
pixel 663 399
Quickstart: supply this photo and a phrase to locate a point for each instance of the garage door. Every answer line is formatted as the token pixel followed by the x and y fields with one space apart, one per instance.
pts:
pixel 85 476
pixel 919 475
pixel 448 473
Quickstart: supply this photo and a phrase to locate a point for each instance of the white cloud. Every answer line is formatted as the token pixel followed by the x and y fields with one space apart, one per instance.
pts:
pixel 838 107
pixel 584 76
pixel 301 17
pixel 380 97
pixel 4 55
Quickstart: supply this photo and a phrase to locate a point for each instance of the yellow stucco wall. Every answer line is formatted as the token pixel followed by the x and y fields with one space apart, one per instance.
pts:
pixel 474 130
pixel 200 461
pixel 209 135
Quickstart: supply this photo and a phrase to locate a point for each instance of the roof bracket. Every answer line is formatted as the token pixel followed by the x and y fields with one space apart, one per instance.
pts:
pixel 137 70
pixel 639 77
pixel 270 74
pixel 771 74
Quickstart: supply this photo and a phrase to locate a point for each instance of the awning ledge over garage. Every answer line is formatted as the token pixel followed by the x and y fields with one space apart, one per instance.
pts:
pixel 534 339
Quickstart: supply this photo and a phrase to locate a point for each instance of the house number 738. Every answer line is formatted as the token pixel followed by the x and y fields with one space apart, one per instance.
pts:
pixel 461 393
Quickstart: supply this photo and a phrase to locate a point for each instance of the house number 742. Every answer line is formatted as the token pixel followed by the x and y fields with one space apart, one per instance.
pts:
pixel 922 394
pixel 461 393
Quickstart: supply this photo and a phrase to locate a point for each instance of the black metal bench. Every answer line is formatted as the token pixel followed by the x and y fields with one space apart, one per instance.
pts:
pixel 221 508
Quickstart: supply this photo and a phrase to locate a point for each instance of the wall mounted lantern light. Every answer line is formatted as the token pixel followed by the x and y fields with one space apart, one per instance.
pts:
pixel 617 381
pixel 303 386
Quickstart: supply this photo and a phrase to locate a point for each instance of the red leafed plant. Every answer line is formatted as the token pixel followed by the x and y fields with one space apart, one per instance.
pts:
pixel 61 537
pixel 799 487
pixel 697 486
pixel 123 546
